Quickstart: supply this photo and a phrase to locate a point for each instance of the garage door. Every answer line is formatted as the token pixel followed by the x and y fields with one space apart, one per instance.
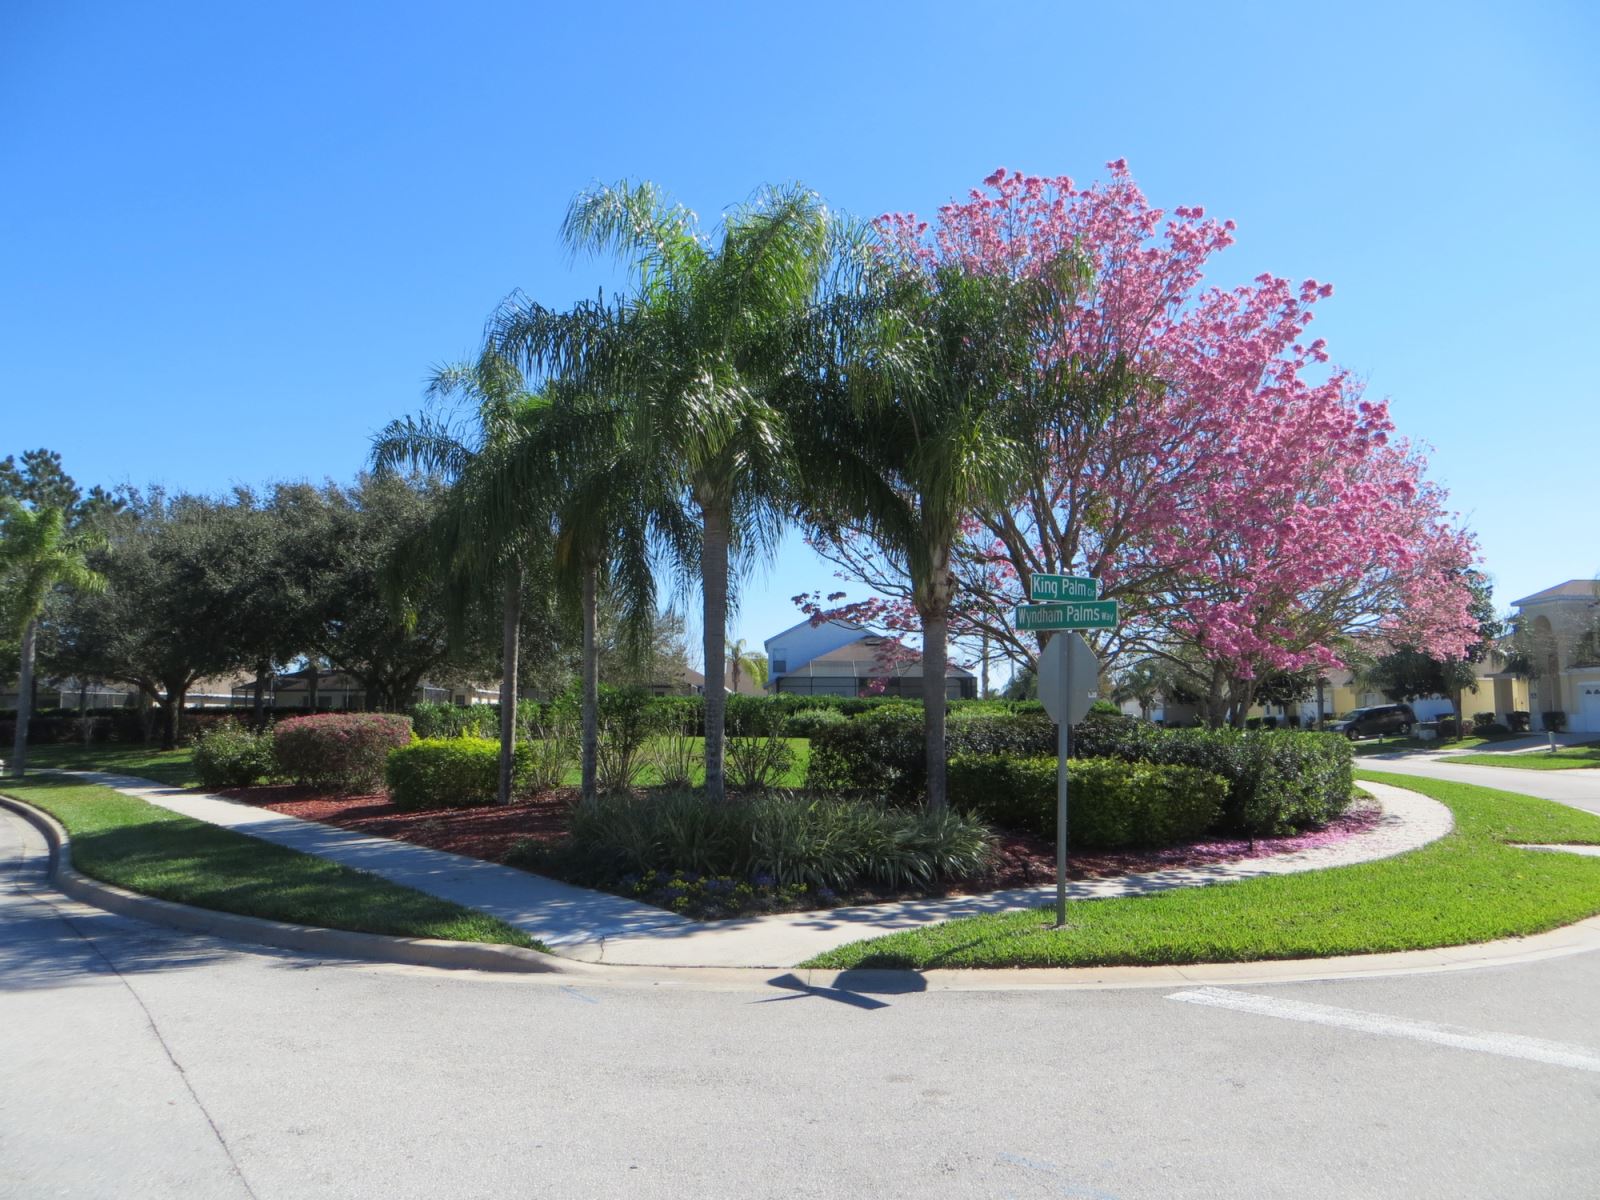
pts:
pixel 1589 707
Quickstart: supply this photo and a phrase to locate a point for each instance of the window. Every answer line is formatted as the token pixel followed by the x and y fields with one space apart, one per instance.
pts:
pixel 779 666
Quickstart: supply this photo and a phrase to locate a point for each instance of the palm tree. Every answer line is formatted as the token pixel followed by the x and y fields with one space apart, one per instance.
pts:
pixel 552 469
pixel 473 564
pixel 695 353
pixel 38 553
pixel 906 424
pixel 740 662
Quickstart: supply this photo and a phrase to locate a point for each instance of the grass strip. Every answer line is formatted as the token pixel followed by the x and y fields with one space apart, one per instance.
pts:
pixel 1568 758
pixel 175 768
pixel 124 840
pixel 1469 886
pixel 1364 749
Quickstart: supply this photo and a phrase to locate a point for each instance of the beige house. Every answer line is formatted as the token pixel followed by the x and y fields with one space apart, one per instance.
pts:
pixel 1562 629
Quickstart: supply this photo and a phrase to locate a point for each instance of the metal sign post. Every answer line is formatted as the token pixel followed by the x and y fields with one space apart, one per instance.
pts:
pixel 1063 752
pixel 1068 675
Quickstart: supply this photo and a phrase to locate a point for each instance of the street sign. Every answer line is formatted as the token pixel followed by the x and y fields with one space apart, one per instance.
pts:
pixel 1083 614
pixel 1066 694
pixel 1063 587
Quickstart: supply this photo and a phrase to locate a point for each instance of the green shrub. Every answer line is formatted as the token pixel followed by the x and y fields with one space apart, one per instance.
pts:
pixel 806 722
pixel 781 839
pixel 544 756
pixel 1110 803
pixel 755 764
pixel 1278 780
pixel 230 755
pixel 342 751
pixel 451 772
pixel 883 752
pixel 455 720
pixel 1555 720
pixel 674 755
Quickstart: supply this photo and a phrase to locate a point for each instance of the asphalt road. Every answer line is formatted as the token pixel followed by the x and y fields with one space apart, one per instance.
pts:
pixel 1579 788
pixel 138 1062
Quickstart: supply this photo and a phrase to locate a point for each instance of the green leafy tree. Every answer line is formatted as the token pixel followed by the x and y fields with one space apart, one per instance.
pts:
pixel 389 644
pixel 39 553
pixel 176 580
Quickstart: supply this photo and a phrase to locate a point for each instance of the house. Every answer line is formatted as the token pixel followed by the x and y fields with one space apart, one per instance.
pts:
pixel 841 658
pixel 1561 628
pixel 215 691
pixel 1498 691
pixel 338 691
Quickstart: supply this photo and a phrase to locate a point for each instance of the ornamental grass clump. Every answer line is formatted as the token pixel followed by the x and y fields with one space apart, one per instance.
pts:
pixel 780 839
pixel 344 752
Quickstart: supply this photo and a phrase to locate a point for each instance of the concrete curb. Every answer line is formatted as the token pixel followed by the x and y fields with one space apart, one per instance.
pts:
pixel 500 961
pixel 340 943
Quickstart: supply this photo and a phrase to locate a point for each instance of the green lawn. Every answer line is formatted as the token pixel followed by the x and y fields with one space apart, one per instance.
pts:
pixel 123 840
pixel 175 767
pixel 1392 745
pixel 1470 886
pixel 1565 759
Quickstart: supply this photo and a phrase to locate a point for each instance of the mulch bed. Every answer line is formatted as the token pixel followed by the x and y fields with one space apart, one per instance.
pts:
pixel 1023 860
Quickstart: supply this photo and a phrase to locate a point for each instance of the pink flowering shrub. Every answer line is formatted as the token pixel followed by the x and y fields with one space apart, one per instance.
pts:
pixel 345 752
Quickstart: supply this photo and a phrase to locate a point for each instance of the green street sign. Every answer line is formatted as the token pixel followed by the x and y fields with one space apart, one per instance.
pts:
pixel 1085 614
pixel 1063 587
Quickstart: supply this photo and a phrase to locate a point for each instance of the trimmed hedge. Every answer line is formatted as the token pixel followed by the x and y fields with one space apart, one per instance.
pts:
pixel 1110 804
pixel 1278 780
pixel 454 772
pixel 343 751
pixel 882 752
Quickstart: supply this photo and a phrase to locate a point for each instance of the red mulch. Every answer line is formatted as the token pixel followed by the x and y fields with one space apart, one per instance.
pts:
pixel 1023 860
pixel 487 833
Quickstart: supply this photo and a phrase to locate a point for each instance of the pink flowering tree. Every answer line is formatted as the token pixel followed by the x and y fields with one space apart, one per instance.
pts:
pixel 1187 446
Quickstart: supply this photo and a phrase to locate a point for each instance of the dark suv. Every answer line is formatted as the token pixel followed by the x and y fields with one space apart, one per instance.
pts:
pixel 1371 722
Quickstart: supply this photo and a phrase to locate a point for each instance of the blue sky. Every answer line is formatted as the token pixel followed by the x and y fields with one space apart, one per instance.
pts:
pixel 237 237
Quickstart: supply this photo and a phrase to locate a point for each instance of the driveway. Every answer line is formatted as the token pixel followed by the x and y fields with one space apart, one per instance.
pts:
pixel 137 1062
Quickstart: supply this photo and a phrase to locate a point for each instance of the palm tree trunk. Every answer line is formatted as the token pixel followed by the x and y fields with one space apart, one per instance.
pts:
pixel 591 686
pixel 19 757
pixel 510 646
pixel 714 586
pixel 935 655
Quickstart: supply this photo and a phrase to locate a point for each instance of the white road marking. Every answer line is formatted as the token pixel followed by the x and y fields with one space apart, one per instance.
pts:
pixel 1508 1045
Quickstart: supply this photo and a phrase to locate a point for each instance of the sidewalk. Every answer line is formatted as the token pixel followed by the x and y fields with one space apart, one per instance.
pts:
pixel 558 914
pixel 598 927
